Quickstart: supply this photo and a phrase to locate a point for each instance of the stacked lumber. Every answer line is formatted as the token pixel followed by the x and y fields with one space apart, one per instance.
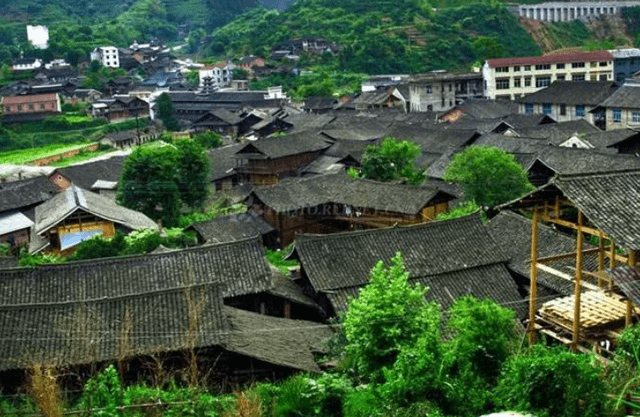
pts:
pixel 597 311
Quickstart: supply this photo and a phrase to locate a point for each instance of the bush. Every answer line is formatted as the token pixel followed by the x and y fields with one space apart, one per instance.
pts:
pixel 552 382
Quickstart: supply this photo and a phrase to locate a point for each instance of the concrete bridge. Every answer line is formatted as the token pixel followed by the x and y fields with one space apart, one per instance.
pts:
pixel 566 11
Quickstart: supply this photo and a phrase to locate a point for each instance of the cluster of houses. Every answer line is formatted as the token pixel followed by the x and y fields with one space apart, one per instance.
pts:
pixel 573 136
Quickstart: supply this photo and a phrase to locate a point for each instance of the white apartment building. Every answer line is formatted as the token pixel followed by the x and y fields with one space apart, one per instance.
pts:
pixel 511 78
pixel 215 77
pixel 107 55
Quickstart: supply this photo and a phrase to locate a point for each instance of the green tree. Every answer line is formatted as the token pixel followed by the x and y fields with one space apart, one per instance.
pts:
pixel 392 160
pixel 149 183
pixel 388 316
pixel 489 176
pixel 552 382
pixel 209 140
pixel 166 112
pixel 193 172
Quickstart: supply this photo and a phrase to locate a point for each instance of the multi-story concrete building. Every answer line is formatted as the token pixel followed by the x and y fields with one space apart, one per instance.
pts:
pixel 215 77
pixel 107 55
pixel 510 78
pixel 557 11
pixel 626 62
pixel 442 90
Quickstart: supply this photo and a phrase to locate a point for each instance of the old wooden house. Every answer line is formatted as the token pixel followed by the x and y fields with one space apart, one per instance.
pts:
pixel 334 203
pixel 453 258
pixel 268 160
pixel 154 307
pixel 75 215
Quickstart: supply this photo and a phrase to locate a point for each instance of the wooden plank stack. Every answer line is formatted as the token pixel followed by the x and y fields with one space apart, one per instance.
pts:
pixel 597 311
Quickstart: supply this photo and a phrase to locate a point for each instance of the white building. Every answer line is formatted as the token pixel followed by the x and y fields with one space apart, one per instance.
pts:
pixel 38 36
pixel 107 55
pixel 511 78
pixel 215 77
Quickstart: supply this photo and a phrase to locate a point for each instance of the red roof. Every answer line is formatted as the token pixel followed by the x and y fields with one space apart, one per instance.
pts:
pixel 552 59
pixel 34 98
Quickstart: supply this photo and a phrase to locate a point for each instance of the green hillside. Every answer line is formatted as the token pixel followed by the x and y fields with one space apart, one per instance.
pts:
pixel 383 36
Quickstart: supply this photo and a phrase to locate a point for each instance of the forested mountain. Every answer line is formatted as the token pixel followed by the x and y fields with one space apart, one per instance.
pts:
pixel 383 36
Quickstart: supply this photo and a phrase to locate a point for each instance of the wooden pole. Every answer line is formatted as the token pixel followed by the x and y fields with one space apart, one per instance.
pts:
pixel 612 260
pixel 600 257
pixel 533 289
pixel 578 286
pixel 628 319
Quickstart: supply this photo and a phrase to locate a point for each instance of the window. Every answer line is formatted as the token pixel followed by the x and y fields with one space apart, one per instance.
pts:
pixel 516 82
pixel 603 63
pixel 429 89
pixel 593 64
pixel 543 67
pixel 577 77
pixel 41 106
pixel 516 69
pixel 603 77
pixel 450 88
pixel 30 105
pixel 577 65
pixel 527 67
pixel 502 84
pixel 617 115
pixel 502 69
pixel 559 66
pixel 635 117
pixel 560 77
pixel 19 107
pixel 563 110
pixel 543 81
pixel 528 108
pixel 7 109
pixel 579 110
pixel 527 81
pixel 546 108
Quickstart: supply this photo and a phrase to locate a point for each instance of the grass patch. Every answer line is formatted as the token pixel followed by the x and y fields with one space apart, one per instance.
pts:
pixel 82 156
pixel 276 258
pixel 23 156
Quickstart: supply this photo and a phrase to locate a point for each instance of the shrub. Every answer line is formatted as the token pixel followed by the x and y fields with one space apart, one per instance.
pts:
pixel 552 382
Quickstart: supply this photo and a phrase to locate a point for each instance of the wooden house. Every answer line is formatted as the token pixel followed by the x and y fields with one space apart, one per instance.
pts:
pixel 163 305
pixel 75 215
pixel 453 258
pixel 605 207
pixel 120 108
pixel 268 160
pixel 334 203
pixel 15 229
pixel 220 120
pixel 223 163
pixel 235 227
pixel 32 107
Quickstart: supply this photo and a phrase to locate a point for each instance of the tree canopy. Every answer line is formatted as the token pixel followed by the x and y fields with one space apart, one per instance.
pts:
pixel 489 176
pixel 392 160
pixel 166 112
pixel 157 181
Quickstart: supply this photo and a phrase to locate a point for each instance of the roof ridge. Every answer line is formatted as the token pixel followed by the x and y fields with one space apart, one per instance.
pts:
pixel 396 226
pixel 97 261
pixel 109 299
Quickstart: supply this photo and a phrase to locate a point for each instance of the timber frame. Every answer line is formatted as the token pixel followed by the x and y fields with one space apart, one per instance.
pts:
pixel 597 310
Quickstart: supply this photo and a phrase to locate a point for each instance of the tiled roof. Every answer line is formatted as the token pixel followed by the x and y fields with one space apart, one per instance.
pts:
pixel 512 233
pixel 457 256
pixel 12 221
pixel 552 59
pixel 20 194
pixel 238 267
pixel 573 92
pixel 488 109
pixel 223 161
pixel 293 144
pixel 232 227
pixel 295 194
pixel 284 342
pixel 610 201
pixel 52 212
pixel 557 133
pixel 627 96
pixel 84 175
pixel 35 98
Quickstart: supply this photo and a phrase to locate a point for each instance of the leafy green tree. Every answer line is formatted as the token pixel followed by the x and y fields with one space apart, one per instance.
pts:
pixel 193 172
pixel 388 316
pixel 209 140
pixel 166 112
pixel 552 382
pixel 489 176
pixel 149 183
pixel 392 160
pixel 623 376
